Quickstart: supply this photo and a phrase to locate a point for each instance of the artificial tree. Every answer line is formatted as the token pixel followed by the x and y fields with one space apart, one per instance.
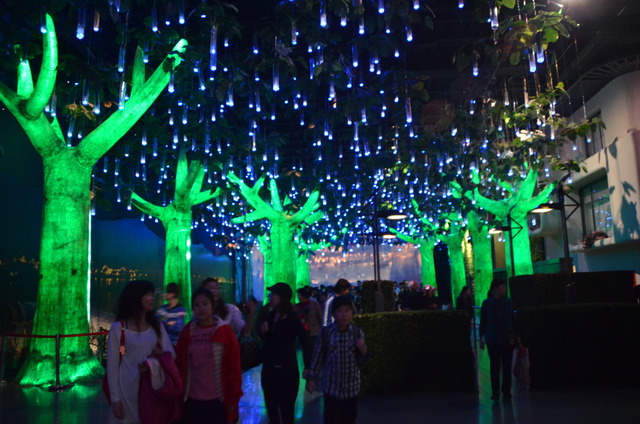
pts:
pixel 512 211
pixel 284 224
pixel 306 248
pixel 63 290
pixel 267 262
pixel 176 217
pixel 453 236
pixel 481 242
pixel 426 240
pixel 482 255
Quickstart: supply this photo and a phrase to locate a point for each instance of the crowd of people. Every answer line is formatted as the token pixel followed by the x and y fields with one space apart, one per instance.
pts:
pixel 195 367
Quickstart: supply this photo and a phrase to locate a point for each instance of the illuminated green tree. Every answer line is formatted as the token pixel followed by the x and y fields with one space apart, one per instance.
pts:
pixel 512 211
pixel 306 248
pixel 267 261
pixel 425 239
pixel 481 243
pixel 284 224
pixel 63 290
pixel 176 217
pixel 482 255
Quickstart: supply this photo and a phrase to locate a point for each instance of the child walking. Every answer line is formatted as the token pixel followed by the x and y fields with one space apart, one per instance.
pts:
pixel 339 352
pixel 209 362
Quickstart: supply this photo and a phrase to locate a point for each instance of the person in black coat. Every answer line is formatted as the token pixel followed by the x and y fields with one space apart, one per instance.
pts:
pixel 464 302
pixel 280 373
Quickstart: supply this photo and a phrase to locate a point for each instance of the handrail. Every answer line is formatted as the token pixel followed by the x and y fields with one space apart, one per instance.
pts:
pixel 56 387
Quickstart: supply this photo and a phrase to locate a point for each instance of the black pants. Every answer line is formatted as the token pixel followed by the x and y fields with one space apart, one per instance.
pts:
pixel 280 388
pixel 338 411
pixel 203 412
pixel 500 357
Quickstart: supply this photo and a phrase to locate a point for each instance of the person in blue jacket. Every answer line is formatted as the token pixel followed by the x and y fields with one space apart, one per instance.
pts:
pixel 172 314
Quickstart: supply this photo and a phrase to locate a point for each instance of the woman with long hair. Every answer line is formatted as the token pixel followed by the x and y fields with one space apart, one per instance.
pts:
pixel 134 336
pixel 280 373
pixel 227 312
pixel 209 362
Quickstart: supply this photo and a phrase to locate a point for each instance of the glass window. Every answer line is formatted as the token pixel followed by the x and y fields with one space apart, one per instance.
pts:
pixel 596 209
pixel 594 142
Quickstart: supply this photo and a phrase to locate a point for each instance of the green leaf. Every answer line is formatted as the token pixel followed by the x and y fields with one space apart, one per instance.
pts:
pixel 514 58
pixel 551 35
pixel 509 4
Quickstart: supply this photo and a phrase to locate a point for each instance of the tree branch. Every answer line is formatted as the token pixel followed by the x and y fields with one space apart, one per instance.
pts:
pixel 405 237
pixel 276 203
pixel 138 78
pixel 205 196
pixel 10 99
pixel 314 217
pixel 309 206
pixel 496 207
pixel 25 80
pixel 147 207
pixel 41 95
pixel 253 198
pixel 540 198
pixel 101 139
pixel 250 217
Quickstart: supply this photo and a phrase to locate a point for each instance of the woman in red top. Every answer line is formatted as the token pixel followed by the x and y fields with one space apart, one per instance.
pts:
pixel 209 362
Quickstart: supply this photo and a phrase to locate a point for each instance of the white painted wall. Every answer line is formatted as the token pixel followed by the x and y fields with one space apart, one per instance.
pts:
pixel 619 105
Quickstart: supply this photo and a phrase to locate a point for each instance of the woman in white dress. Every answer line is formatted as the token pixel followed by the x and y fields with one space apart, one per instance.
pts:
pixel 144 336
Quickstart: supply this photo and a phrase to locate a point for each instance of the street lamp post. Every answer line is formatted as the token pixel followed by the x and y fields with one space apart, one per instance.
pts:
pixel 566 265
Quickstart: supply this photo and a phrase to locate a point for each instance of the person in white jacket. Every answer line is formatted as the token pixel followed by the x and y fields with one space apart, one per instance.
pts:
pixel 136 335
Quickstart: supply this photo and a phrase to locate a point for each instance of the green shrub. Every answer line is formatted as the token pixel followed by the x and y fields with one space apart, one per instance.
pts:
pixel 369 292
pixel 418 351
pixel 584 344
pixel 588 287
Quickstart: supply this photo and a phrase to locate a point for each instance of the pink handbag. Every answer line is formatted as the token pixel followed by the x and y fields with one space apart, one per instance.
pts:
pixel 164 404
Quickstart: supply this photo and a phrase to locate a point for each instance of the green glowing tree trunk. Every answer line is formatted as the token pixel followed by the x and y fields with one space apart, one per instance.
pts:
pixel 456 258
pixel 283 225
pixel 63 289
pixel 303 270
pixel 482 256
pixel 513 210
pixel 284 251
pixel 427 262
pixel 425 239
pixel 63 292
pixel 176 218
pixel 267 262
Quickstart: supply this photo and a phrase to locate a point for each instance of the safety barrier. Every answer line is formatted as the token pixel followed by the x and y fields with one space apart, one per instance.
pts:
pixel 57 387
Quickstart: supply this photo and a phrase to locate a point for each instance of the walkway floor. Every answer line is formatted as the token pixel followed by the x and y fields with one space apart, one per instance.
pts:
pixel 84 404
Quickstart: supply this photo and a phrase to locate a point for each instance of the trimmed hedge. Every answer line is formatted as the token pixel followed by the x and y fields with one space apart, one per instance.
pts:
pixel 589 287
pixel 418 351
pixel 369 292
pixel 587 344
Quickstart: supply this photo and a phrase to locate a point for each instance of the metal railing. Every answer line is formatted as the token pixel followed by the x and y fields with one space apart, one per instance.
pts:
pixel 57 387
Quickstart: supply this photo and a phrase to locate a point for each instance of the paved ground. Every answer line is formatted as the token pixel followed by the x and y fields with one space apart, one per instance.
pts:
pixel 84 404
